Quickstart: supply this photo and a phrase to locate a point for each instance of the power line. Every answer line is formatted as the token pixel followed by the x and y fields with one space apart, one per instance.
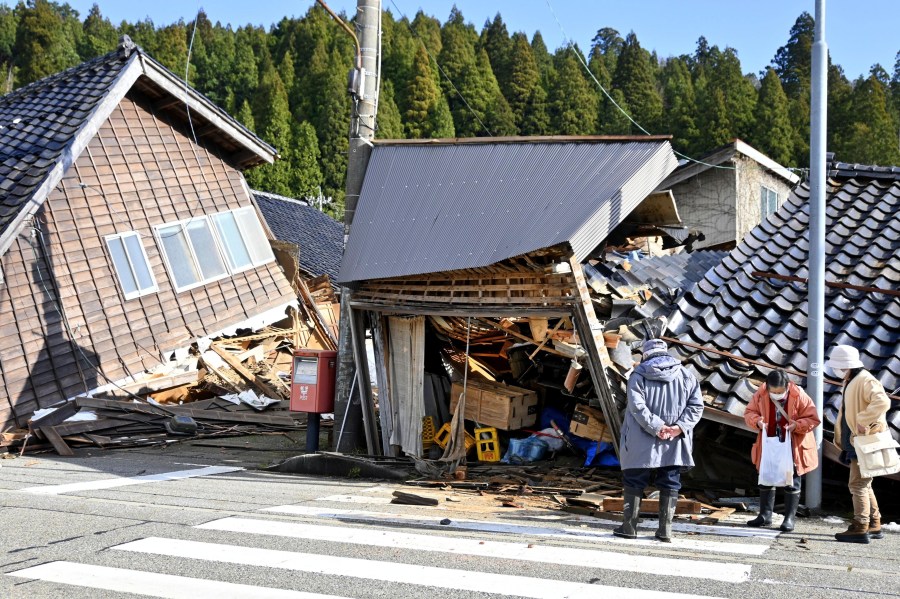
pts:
pixel 610 98
pixel 409 24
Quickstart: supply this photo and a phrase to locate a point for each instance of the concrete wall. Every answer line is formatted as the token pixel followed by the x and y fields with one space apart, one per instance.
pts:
pixel 707 203
pixel 751 176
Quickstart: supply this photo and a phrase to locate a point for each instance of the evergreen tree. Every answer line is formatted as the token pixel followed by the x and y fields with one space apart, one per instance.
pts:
pixel 245 116
pixel 680 107
pixel 524 78
pixel 498 116
pixel 496 42
pixel 389 124
pixel 537 113
pixel 572 103
pixel 332 121
pixel 99 35
pixel 634 77
pixel 422 98
pixel 543 60
pixel 305 176
pixel 840 111
pixel 440 120
pixel 872 138
pixel 8 25
pixel 614 121
pixel 466 91
pixel 43 44
pixel 723 71
pixel 273 120
pixel 399 48
pixel 243 78
pixel 895 85
pixel 171 47
pixel 607 45
pixel 428 30
pixel 772 132
pixel 793 61
pixel 718 127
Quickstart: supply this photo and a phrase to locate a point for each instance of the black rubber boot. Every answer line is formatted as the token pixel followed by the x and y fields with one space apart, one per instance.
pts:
pixel 630 514
pixel 791 501
pixel 766 506
pixel 668 500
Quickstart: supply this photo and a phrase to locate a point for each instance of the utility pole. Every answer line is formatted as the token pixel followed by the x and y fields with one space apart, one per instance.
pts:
pixel 363 86
pixel 816 331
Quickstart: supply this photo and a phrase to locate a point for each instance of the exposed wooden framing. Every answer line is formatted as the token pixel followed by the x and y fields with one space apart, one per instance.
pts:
pixel 463 310
pixel 164 382
pixel 364 380
pixel 547 337
pixel 322 327
pixel 525 338
pixel 591 334
pixel 385 412
pixel 258 382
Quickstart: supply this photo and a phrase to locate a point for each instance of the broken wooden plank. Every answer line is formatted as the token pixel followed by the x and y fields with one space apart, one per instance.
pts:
pixel 161 383
pixel 241 417
pixel 412 499
pixel 258 382
pixel 684 506
pixel 57 416
pixel 56 441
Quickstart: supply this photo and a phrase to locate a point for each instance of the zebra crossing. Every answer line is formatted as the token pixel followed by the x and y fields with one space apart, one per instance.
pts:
pixel 245 542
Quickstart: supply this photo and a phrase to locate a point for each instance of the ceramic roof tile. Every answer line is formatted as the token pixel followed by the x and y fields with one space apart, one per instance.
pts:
pixel 761 318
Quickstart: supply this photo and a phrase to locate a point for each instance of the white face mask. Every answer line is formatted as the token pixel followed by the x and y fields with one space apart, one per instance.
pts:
pixel 839 372
pixel 778 396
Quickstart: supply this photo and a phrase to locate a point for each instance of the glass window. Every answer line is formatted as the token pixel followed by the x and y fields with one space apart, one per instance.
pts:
pixel 178 256
pixel 130 262
pixel 768 202
pixel 235 248
pixel 255 237
pixel 206 249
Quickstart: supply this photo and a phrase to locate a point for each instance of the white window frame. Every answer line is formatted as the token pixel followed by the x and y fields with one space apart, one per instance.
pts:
pixel 221 246
pixel 140 292
pixel 162 250
pixel 245 235
pixel 765 210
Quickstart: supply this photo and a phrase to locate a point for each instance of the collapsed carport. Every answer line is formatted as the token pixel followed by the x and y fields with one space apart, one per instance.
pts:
pixel 493 231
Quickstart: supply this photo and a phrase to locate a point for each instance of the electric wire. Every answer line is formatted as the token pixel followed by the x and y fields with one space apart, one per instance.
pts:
pixel 578 55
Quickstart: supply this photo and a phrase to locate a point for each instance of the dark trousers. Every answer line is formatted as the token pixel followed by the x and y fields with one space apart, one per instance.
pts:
pixel 794 488
pixel 667 477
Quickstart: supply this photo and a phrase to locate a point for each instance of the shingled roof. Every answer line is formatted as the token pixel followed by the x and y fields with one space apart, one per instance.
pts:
pixel 44 126
pixel 766 319
pixel 319 237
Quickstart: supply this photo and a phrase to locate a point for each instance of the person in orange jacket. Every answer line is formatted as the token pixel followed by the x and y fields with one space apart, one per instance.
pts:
pixel 802 419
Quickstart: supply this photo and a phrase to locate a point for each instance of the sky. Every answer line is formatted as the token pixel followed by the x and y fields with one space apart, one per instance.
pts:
pixel 859 33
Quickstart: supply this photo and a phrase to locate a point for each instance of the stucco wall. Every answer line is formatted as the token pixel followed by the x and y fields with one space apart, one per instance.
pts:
pixel 751 177
pixel 707 202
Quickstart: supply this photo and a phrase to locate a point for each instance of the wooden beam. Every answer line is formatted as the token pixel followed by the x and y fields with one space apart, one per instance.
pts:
pixel 364 380
pixel 254 380
pixel 651 506
pixel 590 333
pixel 461 310
pixel 164 382
pixel 56 441
pixel 526 338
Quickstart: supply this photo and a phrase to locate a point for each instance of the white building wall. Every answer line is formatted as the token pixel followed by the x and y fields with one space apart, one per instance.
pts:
pixel 707 203
pixel 751 177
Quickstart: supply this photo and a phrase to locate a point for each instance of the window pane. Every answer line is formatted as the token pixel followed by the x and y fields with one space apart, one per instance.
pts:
pixel 235 249
pixel 256 240
pixel 763 203
pixel 138 262
pixel 205 249
pixel 120 259
pixel 175 246
pixel 773 202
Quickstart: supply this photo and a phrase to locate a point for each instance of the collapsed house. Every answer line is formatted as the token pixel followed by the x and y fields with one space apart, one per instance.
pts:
pixel 750 313
pixel 727 192
pixel 466 261
pixel 127 235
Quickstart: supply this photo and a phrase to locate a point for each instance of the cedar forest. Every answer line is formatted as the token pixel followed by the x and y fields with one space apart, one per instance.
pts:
pixel 289 85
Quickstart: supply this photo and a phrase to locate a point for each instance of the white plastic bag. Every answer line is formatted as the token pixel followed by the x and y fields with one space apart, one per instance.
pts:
pixel 776 466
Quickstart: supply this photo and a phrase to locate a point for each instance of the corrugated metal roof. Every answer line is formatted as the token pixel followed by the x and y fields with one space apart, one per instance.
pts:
pixel 766 319
pixel 451 204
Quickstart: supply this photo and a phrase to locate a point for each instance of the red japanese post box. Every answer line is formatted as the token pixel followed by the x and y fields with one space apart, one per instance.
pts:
pixel 312 381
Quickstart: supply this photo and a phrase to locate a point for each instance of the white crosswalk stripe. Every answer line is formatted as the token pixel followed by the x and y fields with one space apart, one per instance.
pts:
pixel 607 560
pixel 152 584
pixel 604 536
pixel 426 576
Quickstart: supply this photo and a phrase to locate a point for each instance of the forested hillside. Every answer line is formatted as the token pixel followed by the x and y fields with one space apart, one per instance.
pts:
pixel 288 84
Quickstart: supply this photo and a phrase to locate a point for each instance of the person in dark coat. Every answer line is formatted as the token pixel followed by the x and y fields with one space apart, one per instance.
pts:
pixel 664 405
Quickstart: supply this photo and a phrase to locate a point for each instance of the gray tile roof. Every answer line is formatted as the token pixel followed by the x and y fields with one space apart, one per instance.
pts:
pixel 320 237
pixel 766 319
pixel 438 205
pixel 38 122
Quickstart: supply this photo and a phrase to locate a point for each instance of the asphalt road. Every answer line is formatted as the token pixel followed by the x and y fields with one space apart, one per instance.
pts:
pixel 100 525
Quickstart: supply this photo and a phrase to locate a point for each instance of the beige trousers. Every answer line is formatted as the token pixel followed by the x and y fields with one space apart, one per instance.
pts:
pixel 865 506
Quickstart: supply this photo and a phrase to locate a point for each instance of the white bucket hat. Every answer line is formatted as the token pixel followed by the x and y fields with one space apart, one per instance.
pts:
pixel 844 357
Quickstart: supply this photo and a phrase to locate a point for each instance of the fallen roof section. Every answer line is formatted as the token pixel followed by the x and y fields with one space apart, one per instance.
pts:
pixel 765 319
pixel 724 154
pixel 438 205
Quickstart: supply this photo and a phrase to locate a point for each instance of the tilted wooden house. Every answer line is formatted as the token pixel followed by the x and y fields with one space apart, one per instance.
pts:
pixel 127 230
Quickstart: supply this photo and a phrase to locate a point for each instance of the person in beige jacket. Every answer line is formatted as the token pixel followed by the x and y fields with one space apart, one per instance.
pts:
pixel 863 412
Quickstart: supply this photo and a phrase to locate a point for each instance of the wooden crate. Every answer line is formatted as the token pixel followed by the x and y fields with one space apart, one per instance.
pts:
pixel 589 423
pixel 502 406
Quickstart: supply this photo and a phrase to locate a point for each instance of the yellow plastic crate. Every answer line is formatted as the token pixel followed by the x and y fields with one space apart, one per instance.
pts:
pixel 442 437
pixel 427 432
pixel 487 444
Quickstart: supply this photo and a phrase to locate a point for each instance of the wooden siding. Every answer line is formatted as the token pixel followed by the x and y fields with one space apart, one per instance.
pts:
pixel 139 172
